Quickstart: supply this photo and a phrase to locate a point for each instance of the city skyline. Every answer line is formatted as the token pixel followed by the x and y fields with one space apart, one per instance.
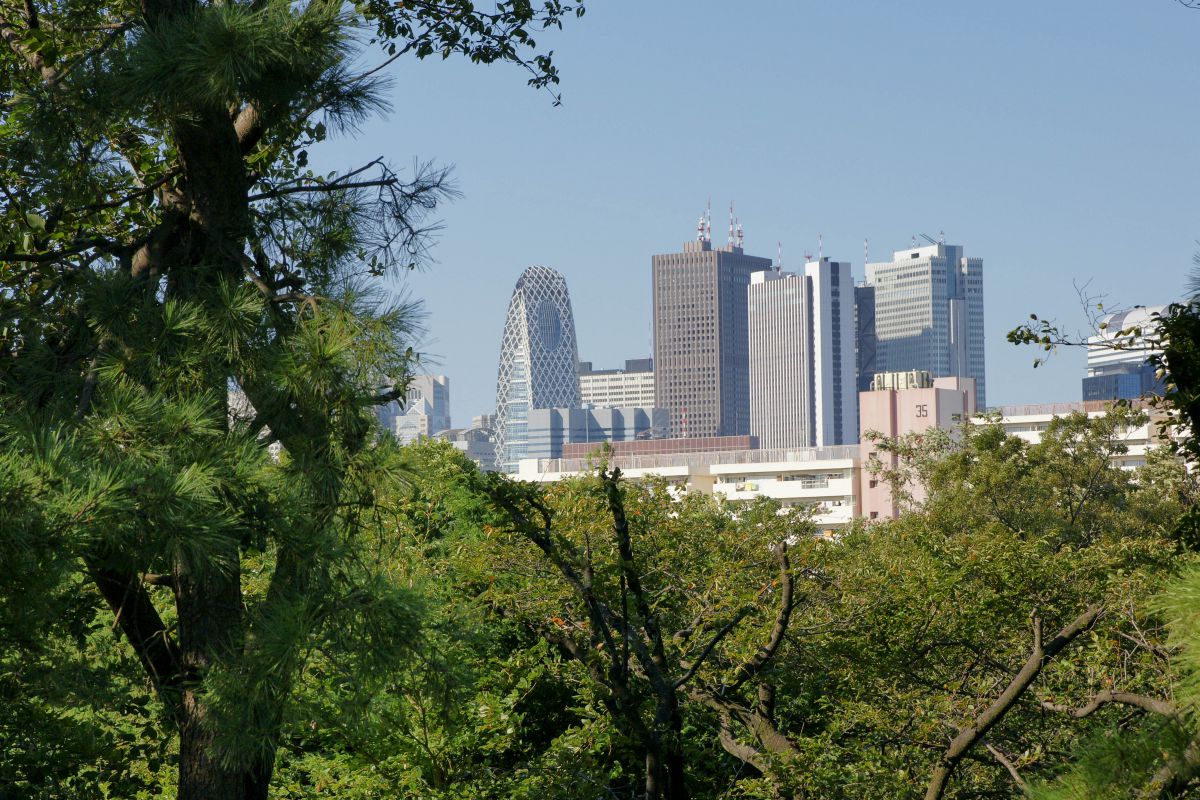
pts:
pixel 1050 172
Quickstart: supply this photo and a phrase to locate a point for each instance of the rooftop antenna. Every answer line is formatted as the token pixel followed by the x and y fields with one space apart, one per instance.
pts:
pixel 700 229
pixel 914 241
pixel 731 223
pixel 941 237
pixel 866 251
pixel 779 256
pixel 741 236
pixel 820 247
pixel 708 221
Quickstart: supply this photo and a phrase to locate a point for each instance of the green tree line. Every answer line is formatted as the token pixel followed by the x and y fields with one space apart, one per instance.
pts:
pixel 220 579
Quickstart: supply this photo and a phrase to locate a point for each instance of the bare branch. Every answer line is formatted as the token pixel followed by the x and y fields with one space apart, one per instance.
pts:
pixel 763 656
pixel 725 630
pixel 970 735
pixel 1144 702
pixel 1008 765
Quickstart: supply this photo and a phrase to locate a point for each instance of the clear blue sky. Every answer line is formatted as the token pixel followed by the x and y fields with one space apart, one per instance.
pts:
pixel 1056 140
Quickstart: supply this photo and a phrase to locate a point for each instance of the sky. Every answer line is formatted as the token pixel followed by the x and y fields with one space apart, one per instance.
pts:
pixel 1054 140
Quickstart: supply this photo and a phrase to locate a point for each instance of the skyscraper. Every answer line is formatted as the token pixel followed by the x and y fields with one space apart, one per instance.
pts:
pixel 701 359
pixel 834 382
pixel 1118 367
pixel 929 313
pixel 803 390
pixel 539 360
pixel 424 411
pixel 781 397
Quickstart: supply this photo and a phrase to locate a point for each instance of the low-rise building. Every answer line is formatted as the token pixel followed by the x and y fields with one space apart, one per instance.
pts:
pixel 551 429
pixel 477 442
pixel 610 388
pixel 1029 422
pixel 825 478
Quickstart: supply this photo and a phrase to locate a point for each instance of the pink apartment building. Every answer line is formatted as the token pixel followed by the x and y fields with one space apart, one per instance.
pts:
pixel 905 403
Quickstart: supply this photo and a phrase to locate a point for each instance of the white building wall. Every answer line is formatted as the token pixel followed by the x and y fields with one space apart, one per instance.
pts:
pixel 834 377
pixel 781 398
pixel 617 388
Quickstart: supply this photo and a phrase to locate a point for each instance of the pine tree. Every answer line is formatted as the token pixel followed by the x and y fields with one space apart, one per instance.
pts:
pixel 177 292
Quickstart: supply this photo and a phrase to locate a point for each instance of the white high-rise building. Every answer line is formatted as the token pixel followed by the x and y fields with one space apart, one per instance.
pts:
pixel 929 313
pixel 424 411
pixel 834 374
pixel 803 390
pixel 781 403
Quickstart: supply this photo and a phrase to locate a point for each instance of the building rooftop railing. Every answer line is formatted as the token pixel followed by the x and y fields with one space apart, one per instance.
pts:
pixel 706 459
pixel 1039 409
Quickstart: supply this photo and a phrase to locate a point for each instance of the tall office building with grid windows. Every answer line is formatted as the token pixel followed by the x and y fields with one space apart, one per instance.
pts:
pixel 701 360
pixel 929 314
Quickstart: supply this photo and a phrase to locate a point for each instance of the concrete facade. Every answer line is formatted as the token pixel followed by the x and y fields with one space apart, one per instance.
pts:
pixel 825 478
pixel 893 413
pixel 803 387
pixel 781 352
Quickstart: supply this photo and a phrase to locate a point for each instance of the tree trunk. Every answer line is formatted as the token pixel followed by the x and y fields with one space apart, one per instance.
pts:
pixel 209 603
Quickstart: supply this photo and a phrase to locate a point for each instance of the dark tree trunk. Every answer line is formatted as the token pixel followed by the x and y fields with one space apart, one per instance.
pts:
pixel 209 603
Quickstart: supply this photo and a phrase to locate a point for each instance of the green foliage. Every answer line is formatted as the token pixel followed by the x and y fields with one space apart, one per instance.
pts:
pixel 198 512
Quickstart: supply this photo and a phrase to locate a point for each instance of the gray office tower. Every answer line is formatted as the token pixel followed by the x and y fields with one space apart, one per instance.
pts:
pixel 701 357
pixel 929 313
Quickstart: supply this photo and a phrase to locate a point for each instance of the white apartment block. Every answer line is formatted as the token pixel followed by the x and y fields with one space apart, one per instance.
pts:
pixel 826 478
pixel 1029 422
pixel 929 313
pixel 834 480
